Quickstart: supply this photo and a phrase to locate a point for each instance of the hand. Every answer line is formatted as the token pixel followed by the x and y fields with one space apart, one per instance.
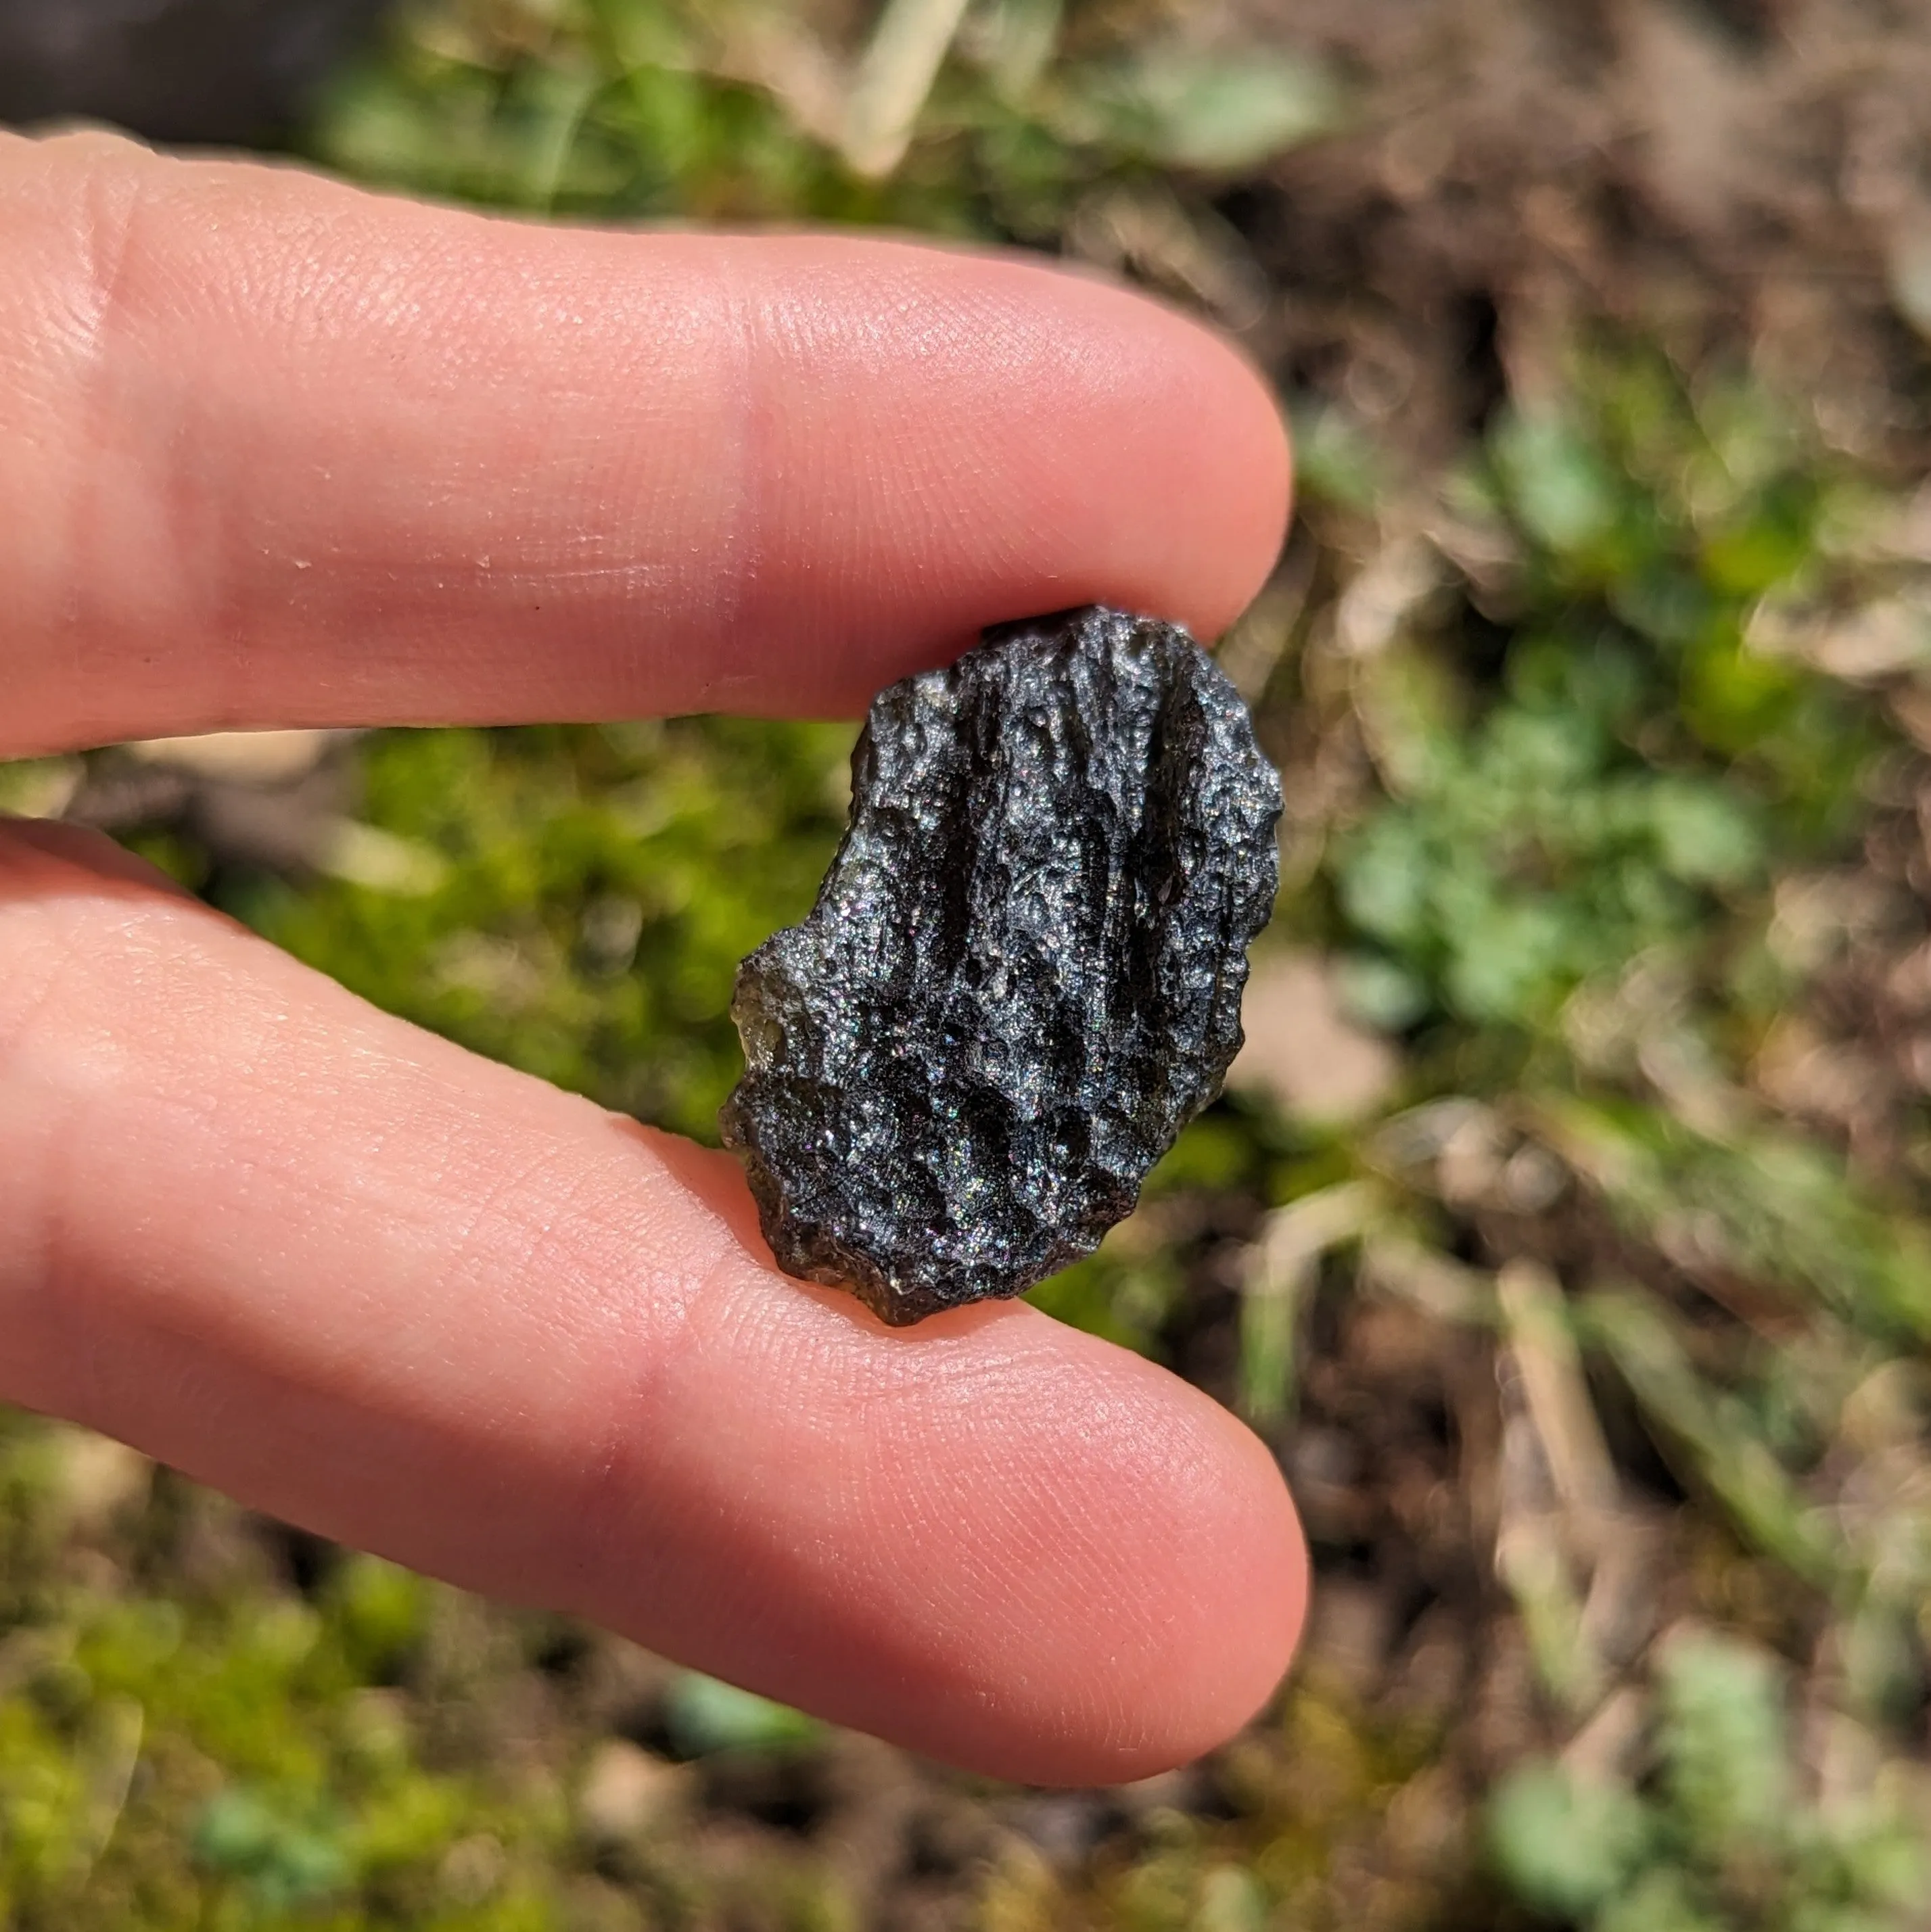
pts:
pixel 275 452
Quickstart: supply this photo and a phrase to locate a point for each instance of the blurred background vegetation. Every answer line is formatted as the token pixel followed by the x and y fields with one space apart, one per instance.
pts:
pixel 1564 1228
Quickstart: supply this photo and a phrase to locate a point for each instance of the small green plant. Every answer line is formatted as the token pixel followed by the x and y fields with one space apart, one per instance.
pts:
pixel 586 896
pixel 704 1715
pixel 1711 1833
pixel 1589 761
pixel 285 1857
pixel 232 1754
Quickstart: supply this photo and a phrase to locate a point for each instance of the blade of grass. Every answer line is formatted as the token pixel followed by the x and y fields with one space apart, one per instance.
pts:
pixel 1279 1275
pixel 1542 1340
pixel 907 48
pixel 1716 1436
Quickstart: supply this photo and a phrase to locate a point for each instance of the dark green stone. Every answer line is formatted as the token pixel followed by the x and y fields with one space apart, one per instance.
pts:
pixel 1022 976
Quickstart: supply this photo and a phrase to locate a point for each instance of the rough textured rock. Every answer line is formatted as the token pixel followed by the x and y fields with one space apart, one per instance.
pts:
pixel 1022 976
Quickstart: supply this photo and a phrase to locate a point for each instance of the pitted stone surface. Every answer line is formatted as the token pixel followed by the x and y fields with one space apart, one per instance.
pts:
pixel 1022 975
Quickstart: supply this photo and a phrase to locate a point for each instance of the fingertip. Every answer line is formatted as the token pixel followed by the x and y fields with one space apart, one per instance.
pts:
pixel 1201 1598
pixel 1262 453
pixel 1005 1544
pixel 1143 458
pixel 1231 494
pixel 1249 1599
pixel 1113 1574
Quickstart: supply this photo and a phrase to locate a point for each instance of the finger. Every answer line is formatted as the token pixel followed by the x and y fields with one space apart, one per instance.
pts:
pixel 273 451
pixel 417 1302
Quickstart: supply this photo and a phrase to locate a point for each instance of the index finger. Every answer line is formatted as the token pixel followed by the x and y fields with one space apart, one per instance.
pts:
pixel 425 1305
pixel 275 451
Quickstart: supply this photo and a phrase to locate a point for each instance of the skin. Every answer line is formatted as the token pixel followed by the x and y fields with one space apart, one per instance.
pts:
pixel 274 452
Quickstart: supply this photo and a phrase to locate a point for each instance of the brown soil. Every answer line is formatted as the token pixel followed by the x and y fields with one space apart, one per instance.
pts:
pixel 1749 176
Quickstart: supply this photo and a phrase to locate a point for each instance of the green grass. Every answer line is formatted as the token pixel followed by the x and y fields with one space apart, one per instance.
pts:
pixel 588 894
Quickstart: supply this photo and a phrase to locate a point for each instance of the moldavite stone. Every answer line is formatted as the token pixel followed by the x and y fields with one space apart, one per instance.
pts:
pixel 1022 976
